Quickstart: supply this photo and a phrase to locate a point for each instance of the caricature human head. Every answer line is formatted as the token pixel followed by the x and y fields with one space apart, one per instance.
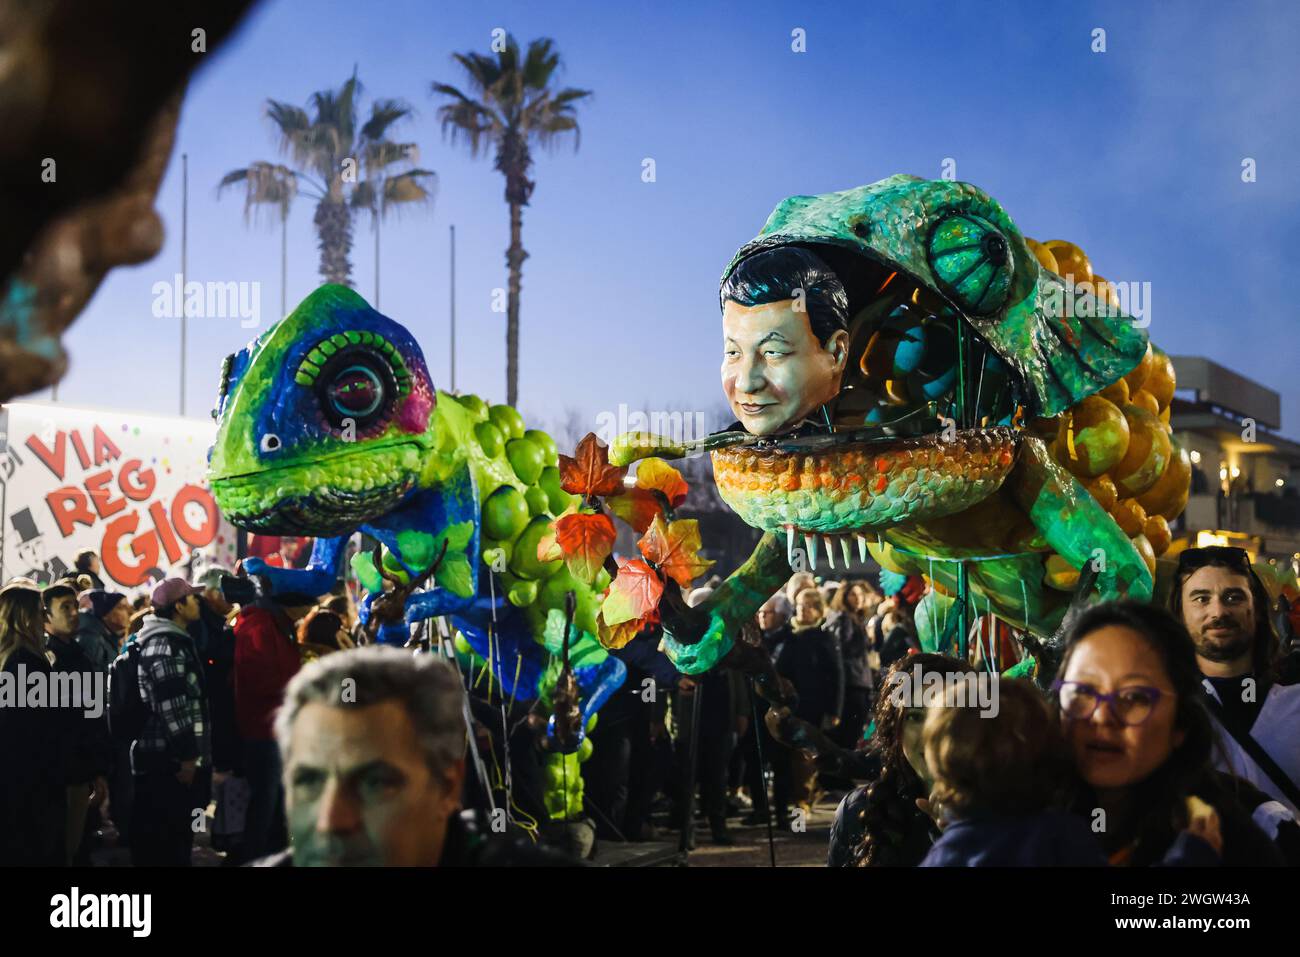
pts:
pixel 785 338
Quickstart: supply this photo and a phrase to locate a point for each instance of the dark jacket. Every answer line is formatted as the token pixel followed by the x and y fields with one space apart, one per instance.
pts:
pixel 853 648
pixel 98 643
pixel 215 640
pixel 811 660
pixel 1244 844
pixel 469 843
pixel 90 748
pixel 33 787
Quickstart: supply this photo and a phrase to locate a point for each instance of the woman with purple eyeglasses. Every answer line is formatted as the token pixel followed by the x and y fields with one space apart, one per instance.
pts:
pixel 1128 692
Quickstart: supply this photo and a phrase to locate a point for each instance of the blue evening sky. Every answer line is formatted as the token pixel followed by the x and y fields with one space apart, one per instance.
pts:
pixel 1135 154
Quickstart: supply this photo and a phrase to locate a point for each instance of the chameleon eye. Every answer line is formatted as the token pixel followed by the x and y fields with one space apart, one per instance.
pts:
pixel 356 391
pixel 972 262
pixel 356 386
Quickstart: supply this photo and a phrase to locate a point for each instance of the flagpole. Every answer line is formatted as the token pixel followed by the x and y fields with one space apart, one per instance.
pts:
pixel 453 308
pixel 185 215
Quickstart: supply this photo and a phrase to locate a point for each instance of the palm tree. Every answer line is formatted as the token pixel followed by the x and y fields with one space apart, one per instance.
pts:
pixel 511 105
pixel 331 152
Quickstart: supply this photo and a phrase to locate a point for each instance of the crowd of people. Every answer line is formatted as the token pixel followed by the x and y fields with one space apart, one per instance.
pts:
pixel 1159 737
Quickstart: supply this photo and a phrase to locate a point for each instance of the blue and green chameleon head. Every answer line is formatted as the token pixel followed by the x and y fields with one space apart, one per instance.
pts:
pixel 323 421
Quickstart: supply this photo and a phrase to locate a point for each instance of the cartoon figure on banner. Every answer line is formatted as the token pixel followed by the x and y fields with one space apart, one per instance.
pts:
pixel 329 424
pixel 41 567
pixel 913 377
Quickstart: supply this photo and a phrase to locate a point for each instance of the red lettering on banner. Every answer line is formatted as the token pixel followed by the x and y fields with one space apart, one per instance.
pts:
pixel 103 447
pixel 169 543
pixel 68 506
pixel 206 532
pixel 54 460
pixel 101 497
pixel 80 448
pixel 145 477
pixel 144 547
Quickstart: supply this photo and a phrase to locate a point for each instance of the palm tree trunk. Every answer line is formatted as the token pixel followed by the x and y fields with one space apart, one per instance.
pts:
pixel 378 221
pixel 515 257
pixel 334 231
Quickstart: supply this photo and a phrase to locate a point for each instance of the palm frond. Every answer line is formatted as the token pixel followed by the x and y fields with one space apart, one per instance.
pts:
pixel 414 187
pixel 541 62
pixel 383 114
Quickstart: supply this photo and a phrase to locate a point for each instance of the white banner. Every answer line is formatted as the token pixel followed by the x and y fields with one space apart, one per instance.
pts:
pixel 131 487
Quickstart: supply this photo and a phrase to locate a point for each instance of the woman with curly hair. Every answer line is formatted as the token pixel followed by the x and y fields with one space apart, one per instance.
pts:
pixel 879 824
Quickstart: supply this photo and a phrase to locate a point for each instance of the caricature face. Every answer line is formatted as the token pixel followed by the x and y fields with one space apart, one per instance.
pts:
pixel 774 371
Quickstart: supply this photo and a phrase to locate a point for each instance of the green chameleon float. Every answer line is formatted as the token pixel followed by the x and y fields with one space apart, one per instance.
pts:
pixel 912 481
pixel 329 424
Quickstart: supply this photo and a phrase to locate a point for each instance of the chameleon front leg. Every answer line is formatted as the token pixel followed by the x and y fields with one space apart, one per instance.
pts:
pixel 696 639
pixel 320 575
pixel 1075 525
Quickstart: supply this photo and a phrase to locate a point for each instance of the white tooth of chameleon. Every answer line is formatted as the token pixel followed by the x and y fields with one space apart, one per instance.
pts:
pixel 830 552
pixel 789 545
pixel 845 551
pixel 810 546
pixel 862 547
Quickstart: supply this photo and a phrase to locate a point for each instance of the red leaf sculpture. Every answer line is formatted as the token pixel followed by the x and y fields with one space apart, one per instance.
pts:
pixel 588 471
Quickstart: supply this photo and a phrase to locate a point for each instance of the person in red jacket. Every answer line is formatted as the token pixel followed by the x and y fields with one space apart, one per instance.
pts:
pixel 266 658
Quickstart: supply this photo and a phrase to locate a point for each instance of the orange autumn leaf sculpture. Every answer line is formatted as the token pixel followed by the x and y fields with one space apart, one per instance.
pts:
pixel 674 548
pixel 657 483
pixel 586 541
pixel 588 472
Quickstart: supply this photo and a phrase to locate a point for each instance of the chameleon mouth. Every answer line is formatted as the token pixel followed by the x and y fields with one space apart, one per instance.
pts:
pixel 323 512
pixel 311 500
pixel 840 486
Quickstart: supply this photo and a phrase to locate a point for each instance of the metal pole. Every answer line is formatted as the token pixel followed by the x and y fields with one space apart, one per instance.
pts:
pixel 964 414
pixel 284 260
pixel 688 809
pixel 453 308
pixel 185 214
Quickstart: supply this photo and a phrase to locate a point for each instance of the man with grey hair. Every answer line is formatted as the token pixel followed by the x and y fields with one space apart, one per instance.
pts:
pixel 373 745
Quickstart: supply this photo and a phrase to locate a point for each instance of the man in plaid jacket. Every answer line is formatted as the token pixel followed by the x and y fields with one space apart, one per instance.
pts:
pixel 171 759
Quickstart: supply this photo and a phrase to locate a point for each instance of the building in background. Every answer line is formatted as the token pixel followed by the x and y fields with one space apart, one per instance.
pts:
pixel 1245 474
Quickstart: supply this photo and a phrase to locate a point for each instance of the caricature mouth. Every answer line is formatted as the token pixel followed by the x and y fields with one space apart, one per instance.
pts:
pixel 902 376
pixel 754 408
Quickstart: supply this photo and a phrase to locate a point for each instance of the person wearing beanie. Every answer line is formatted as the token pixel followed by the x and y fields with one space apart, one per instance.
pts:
pixel 266 658
pixel 101 625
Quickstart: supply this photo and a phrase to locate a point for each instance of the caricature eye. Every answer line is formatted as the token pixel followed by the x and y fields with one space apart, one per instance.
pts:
pixel 270 442
pixel 972 263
